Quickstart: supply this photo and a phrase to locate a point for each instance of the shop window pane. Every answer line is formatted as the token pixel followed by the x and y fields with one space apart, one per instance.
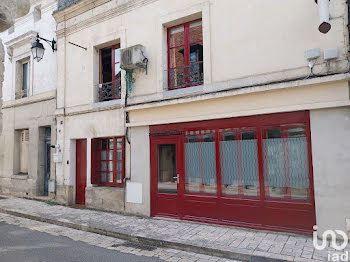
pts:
pixel 167 180
pixel 298 163
pixel 229 164
pixel 229 136
pixel 286 169
pixel 239 164
pixel 250 167
pixel 274 163
pixel 209 163
pixel 200 164
pixel 192 164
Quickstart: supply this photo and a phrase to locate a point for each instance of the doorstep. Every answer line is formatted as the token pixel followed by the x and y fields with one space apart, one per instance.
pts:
pixel 221 241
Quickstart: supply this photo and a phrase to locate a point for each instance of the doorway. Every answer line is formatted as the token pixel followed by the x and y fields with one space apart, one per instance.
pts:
pixel 80 171
pixel 167 177
pixel 47 159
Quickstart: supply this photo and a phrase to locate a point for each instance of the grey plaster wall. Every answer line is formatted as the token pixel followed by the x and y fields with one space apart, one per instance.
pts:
pixel 330 136
pixel 105 198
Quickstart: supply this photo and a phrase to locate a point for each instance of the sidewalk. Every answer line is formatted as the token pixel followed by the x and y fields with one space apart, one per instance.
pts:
pixel 227 242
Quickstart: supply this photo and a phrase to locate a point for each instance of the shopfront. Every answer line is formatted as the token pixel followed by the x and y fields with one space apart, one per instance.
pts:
pixel 251 171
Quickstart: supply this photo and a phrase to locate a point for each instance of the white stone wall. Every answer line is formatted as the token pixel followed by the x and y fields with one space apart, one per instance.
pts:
pixel 245 42
pixel 35 111
pixel 43 75
pixel 330 137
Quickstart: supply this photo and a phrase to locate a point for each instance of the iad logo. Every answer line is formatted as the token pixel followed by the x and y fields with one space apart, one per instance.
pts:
pixel 333 237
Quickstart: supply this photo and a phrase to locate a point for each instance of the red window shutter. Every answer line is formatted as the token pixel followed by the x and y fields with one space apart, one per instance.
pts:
pixel 95 161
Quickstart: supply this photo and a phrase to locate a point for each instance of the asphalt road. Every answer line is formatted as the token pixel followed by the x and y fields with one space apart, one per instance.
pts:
pixel 19 244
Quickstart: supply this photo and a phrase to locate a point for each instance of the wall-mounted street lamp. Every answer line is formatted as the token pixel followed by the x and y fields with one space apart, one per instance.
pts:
pixel 38 48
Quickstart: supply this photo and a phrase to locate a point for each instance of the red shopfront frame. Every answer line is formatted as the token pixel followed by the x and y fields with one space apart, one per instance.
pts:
pixel 261 212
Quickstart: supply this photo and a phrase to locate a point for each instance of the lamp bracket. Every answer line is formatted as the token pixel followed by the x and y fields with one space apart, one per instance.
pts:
pixel 52 42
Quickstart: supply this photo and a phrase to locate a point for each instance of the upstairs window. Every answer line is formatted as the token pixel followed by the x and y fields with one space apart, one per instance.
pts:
pixel 25 79
pixel 110 74
pixel 22 79
pixel 107 161
pixel 185 55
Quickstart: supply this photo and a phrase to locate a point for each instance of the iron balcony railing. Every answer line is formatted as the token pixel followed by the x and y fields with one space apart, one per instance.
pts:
pixel 109 91
pixel 186 76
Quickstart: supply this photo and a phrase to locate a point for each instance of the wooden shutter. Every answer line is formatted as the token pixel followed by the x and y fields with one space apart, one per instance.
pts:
pixel 24 151
pixel 95 161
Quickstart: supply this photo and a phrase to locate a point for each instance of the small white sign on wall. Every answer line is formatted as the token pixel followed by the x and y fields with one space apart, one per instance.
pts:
pixel 134 192
pixel 57 157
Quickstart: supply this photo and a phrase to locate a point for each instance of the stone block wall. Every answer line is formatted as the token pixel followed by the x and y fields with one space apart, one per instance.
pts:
pixel 105 198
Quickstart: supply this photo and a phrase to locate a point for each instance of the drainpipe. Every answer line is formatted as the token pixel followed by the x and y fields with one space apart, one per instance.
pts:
pixel 323 9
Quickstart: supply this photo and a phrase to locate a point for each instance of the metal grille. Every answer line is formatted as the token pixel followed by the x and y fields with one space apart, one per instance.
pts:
pixel 186 76
pixel 110 91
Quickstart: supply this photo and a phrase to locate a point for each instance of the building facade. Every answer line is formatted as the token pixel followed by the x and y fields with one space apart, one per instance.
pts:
pixel 29 103
pixel 225 120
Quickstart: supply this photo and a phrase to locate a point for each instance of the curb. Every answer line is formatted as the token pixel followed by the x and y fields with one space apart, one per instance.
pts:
pixel 149 241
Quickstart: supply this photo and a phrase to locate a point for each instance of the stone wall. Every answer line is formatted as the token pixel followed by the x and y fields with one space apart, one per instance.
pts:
pixel 331 165
pixel 105 198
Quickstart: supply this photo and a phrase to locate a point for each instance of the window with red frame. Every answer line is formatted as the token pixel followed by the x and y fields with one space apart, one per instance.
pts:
pixel 110 74
pixel 185 55
pixel 107 161
pixel 286 165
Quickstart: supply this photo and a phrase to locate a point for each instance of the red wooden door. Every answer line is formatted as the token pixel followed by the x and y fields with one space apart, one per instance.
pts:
pixel 80 171
pixel 166 176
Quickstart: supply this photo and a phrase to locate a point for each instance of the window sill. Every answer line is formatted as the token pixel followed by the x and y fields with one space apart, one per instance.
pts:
pixel 97 187
pixel 107 103
pixel 183 91
pixel 20 176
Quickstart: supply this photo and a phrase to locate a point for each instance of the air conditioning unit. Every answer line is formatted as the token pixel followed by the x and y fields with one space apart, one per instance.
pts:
pixel 133 58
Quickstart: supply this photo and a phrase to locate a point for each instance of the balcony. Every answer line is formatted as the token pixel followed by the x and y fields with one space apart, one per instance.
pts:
pixel 109 91
pixel 181 77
